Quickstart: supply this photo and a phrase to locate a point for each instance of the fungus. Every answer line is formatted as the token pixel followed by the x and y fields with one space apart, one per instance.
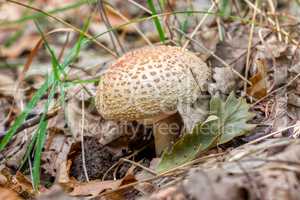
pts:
pixel 158 78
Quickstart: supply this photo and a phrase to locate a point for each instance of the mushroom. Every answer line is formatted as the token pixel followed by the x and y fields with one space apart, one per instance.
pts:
pixel 147 84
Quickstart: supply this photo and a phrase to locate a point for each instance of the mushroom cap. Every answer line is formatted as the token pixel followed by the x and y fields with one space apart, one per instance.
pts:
pixel 148 83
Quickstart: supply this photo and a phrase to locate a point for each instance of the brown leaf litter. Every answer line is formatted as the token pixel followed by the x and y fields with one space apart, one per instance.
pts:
pixel 271 175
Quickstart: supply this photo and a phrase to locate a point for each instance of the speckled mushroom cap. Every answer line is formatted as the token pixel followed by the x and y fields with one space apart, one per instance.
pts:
pixel 148 83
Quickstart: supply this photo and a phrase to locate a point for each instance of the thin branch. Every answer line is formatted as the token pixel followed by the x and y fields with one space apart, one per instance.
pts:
pixel 199 25
pixel 273 11
pixel 139 165
pixel 273 23
pixel 82 138
pixel 271 134
pixel 133 25
pixel 64 47
pixel 140 6
pixel 112 34
pixel 249 47
pixel 213 55
pixel 35 120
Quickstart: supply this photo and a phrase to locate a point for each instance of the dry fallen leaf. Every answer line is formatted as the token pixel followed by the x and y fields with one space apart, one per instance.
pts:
pixel 56 152
pixel 93 188
pixel 26 42
pixel 91 126
pixel 19 183
pixel 259 81
pixel 56 192
pixel 225 81
pixel 96 187
pixel 7 194
pixel 7 85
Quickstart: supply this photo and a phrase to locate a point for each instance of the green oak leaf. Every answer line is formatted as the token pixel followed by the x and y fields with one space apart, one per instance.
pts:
pixel 226 121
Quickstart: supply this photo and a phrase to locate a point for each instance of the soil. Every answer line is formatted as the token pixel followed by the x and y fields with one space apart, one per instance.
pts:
pixel 98 160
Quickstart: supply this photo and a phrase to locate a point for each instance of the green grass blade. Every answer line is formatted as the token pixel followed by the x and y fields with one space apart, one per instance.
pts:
pixel 79 81
pixel 56 67
pixel 21 118
pixel 28 151
pixel 40 92
pixel 41 137
pixel 225 9
pixel 156 21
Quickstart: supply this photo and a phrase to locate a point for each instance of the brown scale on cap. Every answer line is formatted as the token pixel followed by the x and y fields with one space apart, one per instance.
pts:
pixel 148 83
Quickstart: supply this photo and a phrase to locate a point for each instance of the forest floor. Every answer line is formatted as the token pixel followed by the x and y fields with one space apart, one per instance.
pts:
pixel 55 145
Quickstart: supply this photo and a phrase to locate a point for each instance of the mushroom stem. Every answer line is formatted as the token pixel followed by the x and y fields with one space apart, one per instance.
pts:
pixel 165 132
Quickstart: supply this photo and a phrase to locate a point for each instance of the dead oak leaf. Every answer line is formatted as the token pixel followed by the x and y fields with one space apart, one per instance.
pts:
pixel 259 81
pixel 93 188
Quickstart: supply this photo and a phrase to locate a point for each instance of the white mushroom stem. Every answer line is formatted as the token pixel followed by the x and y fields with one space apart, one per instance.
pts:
pixel 165 133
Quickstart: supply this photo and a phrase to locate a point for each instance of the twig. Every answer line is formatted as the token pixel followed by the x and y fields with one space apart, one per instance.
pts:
pixel 199 25
pixel 245 52
pixel 271 134
pixel 34 121
pixel 64 47
pixel 133 25
pixel 289 162
pixel 140 6
pixel 120 161
pixel 276 19
pixel 214 55
pixel 112 34
pixel 109 169
pixel 139 165
pixel 198 160
pixel 249 47
pixel 135 183
pixel 82 138
pixel 295 42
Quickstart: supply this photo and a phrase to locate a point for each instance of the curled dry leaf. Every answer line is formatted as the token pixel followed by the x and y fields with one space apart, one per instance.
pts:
pixel 259 81
pixel 294 99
